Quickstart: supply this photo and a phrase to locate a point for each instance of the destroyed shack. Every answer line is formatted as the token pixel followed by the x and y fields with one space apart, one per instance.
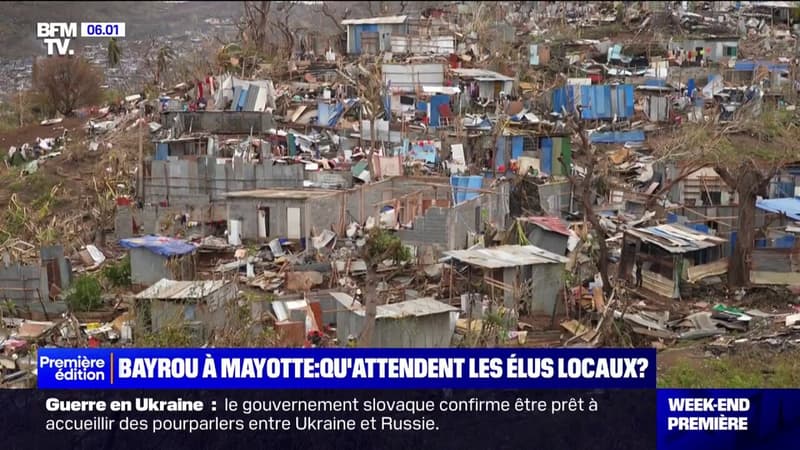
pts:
pixel 264 213
pixel 157 257
pixel 30 279
pixel 670 254
pixel 546 232
pixel 710 48
pixel 481 83
pixel 418 323
pixel 524 276
pixel 373 35
pixel 197 305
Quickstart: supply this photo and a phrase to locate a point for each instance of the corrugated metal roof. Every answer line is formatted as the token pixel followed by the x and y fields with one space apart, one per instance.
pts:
pixel 549 223
pixel 788 206
pixel 166 289
pixel 389 20
pixel 481 74
pixel 749 66
pixel 418 307
pixel 676 238
pixel 506 256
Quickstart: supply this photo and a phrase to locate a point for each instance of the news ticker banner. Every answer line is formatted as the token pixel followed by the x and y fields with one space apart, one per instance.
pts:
pixel 422 394
pixel 346 368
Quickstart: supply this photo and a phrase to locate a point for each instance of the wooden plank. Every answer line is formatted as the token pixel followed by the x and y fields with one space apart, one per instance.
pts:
pixel 781 278
pixel 578 329
pixel 697 273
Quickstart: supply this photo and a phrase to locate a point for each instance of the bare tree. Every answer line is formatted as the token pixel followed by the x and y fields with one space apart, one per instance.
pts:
pixel 68 83
pixel 381 245
pixel 746 153
pixel 588 156
pixel 325 10
pixel 253 27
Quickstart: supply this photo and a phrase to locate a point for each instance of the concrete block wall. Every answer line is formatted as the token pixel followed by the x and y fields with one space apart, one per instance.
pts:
pixel 449 228
pixel 429 229
pixel 231 122
pixel 315 213
pixel 201 181
pixel 20 283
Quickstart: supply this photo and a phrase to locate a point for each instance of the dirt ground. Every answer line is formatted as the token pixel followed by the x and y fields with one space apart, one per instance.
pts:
pixel 29 133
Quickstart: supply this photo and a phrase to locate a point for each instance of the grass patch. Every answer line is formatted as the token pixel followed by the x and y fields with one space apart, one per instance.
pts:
pixel 765 370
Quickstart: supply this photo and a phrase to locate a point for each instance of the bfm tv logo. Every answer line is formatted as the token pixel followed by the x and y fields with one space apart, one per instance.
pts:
pixel 58 35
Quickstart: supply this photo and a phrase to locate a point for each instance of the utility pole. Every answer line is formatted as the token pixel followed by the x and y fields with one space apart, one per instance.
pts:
pixel 140 170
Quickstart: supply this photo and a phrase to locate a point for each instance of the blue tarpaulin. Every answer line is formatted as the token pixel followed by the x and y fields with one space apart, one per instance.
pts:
pixel 160 245
pixel 465 188
pixel 617 137
pixel 423 150
pixel 788 206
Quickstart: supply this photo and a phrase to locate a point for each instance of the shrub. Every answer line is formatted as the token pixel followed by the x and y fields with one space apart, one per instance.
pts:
pixel 119 274
pixel 85 294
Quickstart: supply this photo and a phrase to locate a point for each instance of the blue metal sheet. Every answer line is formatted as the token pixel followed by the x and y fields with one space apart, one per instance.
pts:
pixel 436 101
pixel 162 151
pixel 242 100
pixel 547 156
pixel 564 98
pixel 465 188
pixel 750 66
pixel 324 112
pixel 785 242
pixel 617 137
pixel 516 147
pixel 628 99
pixel 500 152
pixel 596 102
pixel 655 82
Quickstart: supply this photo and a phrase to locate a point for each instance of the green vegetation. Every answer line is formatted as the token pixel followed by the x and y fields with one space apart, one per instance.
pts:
pixel 119 274
pixel 171 336
pixel 738 371
pixel 85 294
pixel 382 244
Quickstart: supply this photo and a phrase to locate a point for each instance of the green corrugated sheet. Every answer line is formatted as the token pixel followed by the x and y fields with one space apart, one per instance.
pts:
pixel 566 153
pixel 291 144
pixel 562 147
